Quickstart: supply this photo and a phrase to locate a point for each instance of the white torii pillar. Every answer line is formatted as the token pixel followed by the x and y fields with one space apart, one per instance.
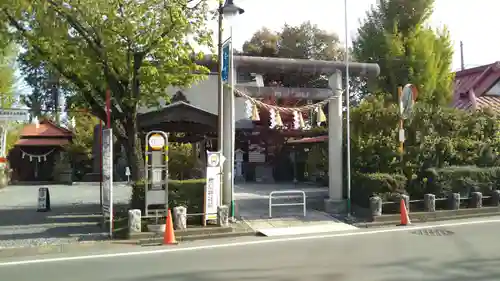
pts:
pixel 335 202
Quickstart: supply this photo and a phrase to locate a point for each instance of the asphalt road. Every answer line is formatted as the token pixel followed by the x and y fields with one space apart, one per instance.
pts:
pixel 445 253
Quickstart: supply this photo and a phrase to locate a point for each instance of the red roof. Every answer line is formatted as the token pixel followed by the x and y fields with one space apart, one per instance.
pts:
pixel 42 142
pixel 46 128
pixel 476 82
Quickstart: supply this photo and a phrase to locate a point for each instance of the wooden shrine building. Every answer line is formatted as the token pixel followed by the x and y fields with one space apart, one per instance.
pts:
pixel 38 155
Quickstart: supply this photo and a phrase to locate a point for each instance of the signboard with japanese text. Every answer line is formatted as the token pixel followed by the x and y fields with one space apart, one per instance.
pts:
pixel 107 177
pixel 213 186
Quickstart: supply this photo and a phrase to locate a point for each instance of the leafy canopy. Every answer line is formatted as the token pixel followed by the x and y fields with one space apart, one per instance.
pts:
pixel 305 41
pixel 136 48
pixel 395 35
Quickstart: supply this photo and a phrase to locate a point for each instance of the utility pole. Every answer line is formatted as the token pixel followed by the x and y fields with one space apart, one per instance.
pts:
pixel 220 90
pixel 462 64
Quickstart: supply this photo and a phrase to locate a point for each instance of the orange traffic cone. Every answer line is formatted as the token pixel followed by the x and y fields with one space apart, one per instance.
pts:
pixel 405 218
pixel 169 236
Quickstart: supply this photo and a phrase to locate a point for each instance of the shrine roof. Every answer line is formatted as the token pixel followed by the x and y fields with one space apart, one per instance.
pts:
pixel 42 142
pixel 46 128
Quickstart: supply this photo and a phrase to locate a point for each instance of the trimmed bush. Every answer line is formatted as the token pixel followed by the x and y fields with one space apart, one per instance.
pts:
pixel 187 193
pixel 462 179
pixel 384 185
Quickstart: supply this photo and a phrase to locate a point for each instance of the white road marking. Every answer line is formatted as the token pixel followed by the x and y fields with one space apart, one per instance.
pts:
pixel 246 243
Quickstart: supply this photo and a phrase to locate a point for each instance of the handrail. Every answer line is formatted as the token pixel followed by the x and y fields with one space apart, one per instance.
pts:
pixel 303 203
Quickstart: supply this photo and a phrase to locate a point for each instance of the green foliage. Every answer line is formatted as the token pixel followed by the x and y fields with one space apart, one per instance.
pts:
pixel 137 49
pixel 7 79
pixel 83 134
pixel 187 193
pixel 13 135
pixel 305 41
pixel 463 180
pixel 395 34
pixel 317 160
pixel 369 184
pixel 181 163
pixel 435 137
pixel 46 85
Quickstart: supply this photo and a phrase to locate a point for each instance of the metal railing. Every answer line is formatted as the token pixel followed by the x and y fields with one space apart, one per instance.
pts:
pixel 303 203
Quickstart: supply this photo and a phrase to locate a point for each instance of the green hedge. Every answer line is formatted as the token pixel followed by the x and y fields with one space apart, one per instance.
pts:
pixel 366 185
pixel 462 179
pixel 187 193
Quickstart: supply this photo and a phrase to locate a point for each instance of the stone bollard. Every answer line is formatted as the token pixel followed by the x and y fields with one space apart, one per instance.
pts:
pixel 376 206
pixel 495 198
pixel 180 217
pixel 454 201
pixel 476 200
pixel 223 216
pixel 406 198
pixel 134 221
pixel 429 203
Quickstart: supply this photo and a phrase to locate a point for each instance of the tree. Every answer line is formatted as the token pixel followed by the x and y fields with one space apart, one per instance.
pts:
pixel 135 48
pixel 7 78
pixel 395 35
pixel 306 41
pixel 44 82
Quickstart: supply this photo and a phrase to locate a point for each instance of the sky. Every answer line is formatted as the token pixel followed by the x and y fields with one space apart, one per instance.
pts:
pixel 468 21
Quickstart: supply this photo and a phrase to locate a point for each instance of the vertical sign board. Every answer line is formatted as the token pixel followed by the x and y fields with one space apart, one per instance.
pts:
pixel 156 164
pixel 9 115
pixel 107 177
pixel 213 185
pixel 225 61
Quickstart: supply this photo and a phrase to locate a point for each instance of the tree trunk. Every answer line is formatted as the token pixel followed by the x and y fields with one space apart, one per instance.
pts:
pixel 134 150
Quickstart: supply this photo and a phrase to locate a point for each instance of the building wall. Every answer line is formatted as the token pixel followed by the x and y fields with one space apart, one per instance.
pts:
pixel 204 95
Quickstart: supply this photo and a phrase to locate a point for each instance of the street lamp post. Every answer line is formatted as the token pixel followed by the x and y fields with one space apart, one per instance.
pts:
pixel 229 11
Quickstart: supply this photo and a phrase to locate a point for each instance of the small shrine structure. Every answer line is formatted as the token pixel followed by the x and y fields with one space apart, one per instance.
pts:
pixel 39 155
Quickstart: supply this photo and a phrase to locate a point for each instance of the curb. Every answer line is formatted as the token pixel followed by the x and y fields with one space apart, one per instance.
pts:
pixel 46 249
pixel 187 238
pixel 422 220
pixel 87 245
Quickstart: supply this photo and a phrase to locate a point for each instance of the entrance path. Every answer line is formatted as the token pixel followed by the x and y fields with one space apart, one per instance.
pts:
pixel 75 214
pixel 252 206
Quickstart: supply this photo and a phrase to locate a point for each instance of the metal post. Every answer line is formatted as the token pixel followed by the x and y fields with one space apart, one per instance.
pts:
pixel 220 89
pixel 228 137
pixel 232 79
pixel 348 119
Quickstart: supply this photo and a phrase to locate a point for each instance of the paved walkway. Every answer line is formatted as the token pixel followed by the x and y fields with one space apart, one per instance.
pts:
pixel 75 214
pixel 252 206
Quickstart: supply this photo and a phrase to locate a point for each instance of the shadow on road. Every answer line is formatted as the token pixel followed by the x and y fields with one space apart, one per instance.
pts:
pixel 60 222
pixel 477 269
pixel 283 273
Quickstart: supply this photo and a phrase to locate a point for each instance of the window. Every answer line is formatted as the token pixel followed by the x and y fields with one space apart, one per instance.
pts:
pixel 495 90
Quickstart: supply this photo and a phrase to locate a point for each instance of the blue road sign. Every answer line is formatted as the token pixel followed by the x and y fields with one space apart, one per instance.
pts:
pixel 225 61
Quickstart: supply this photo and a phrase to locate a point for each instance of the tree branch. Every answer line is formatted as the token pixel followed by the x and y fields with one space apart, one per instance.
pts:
pixel 164 34
pixel 98 111
pixel 95 44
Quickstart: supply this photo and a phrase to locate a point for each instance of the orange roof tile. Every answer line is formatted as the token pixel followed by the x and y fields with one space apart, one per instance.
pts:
pixel 42 142
pixel 45 129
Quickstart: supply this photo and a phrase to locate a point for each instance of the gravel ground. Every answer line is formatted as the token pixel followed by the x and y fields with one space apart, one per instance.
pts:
pixel 74 216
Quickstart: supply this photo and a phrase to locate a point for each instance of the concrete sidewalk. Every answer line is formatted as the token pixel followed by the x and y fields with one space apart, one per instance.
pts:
pixel 252 206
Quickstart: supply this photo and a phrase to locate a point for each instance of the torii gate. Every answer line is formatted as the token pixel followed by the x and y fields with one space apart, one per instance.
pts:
pixel 260 65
